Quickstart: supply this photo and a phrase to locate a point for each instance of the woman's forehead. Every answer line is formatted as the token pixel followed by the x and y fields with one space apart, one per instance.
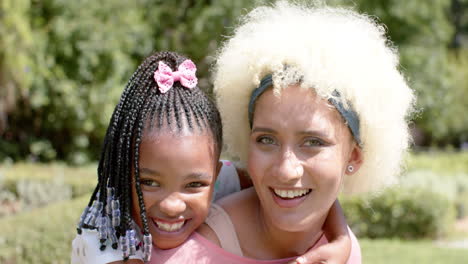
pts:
pixel 298 109
pixel 295 99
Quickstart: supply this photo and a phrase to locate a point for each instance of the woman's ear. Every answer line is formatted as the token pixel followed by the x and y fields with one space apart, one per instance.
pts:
pixel 355 160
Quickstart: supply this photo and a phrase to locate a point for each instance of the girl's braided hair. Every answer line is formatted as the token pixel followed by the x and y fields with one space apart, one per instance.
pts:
pixel 142 107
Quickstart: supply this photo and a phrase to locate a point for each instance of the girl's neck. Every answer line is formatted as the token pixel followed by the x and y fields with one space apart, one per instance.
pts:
pixel 284 244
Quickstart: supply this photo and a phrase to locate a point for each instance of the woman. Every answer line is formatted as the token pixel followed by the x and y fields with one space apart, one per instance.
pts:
pixel 313 103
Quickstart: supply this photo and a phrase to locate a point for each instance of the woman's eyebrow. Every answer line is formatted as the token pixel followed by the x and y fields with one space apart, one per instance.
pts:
pixel 263 129
pixel 318 133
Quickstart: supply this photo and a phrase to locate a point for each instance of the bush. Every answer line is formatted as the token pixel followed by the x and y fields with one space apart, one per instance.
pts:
pixel 445 163
pixel 400 213
pixel 453 187
pixel 80 180
pixel 28 186
pixel 42 235
pixel 445 173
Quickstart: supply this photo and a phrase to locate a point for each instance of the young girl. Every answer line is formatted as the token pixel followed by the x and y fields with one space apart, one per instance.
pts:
pixel 313 102
pixel 158 169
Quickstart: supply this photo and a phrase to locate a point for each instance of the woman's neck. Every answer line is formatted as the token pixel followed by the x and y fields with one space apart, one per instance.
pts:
pixel 284 244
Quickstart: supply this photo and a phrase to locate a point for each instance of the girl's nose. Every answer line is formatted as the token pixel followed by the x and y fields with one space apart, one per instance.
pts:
pixel 289 167
pixel 172 205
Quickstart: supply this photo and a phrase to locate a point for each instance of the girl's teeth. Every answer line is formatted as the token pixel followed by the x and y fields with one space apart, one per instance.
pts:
pixel 291 193
pixel 169 227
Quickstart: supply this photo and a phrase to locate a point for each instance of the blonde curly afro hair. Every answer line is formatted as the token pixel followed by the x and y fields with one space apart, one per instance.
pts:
pixel 329 50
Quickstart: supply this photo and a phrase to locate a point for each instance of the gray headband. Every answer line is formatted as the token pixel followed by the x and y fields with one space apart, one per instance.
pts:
pixel 351 117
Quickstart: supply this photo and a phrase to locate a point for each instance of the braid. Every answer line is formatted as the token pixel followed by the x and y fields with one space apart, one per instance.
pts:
pixel 185 109
pixel 141 109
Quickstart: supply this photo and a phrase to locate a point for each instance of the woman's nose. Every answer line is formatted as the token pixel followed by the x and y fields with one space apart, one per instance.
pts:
pixel 289 167
pixel 172 205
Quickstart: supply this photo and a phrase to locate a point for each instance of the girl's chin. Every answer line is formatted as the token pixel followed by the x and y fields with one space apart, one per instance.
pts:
pixel 168 244
pixel 167 240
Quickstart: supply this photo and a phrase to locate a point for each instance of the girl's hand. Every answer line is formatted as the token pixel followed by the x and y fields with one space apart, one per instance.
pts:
pixel 130 261
pixel 338 249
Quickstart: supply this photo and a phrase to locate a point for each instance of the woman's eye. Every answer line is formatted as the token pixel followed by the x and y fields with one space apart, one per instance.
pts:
pixel 265 140
pixel 150 183
pixel 196 185
pixel 313 142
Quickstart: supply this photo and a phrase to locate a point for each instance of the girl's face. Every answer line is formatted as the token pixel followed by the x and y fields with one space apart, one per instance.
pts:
pixel 299 149
pixel 177 175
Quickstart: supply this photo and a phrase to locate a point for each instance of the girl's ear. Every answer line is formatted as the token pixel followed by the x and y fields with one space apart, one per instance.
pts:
pixel 355 160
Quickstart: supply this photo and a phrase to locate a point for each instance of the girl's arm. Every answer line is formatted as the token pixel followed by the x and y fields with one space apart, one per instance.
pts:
pixel 338 250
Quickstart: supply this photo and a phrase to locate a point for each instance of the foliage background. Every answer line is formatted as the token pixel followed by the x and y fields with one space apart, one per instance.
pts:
pixel 63 64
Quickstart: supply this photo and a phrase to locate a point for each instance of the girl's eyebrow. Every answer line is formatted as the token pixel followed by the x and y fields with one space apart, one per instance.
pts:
pixel 198 176
pixel 191 176
pixel 148 171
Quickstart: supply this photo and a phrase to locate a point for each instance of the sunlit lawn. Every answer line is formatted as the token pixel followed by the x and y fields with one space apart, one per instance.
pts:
pixel 383 251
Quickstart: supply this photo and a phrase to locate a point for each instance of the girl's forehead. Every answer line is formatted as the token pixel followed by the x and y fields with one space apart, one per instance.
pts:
pixel 151 133
pixel 167 147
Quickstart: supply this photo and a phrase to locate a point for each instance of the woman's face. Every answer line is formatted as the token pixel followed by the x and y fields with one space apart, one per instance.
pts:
pixel 177 175
pixel 299 149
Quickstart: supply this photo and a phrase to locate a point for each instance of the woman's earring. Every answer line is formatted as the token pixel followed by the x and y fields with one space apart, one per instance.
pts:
pixel 350 168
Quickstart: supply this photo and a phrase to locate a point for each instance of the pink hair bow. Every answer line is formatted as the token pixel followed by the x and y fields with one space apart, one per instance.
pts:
pixel 185 74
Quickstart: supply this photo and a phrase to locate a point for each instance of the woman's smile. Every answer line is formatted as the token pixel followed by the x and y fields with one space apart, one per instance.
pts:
pixel 289 198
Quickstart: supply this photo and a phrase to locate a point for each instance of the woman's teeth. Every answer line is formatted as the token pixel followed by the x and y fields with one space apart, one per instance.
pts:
pixel 169 227
pixel 291 193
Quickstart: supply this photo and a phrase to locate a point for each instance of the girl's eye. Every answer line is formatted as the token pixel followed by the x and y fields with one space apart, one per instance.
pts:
pixel 313 142
pixel 150 183
pixel 196 185
pixel 266 140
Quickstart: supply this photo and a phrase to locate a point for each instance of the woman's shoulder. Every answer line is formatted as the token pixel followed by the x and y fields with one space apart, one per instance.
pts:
pixel 207 232
pixel 239 204
pixel 222 224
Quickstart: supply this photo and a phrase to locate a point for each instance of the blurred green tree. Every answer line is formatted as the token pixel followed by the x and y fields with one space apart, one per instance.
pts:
pixel 432 38
pixel 63 64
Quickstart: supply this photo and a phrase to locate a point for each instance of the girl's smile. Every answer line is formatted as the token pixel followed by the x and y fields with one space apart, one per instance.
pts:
pixel 168 225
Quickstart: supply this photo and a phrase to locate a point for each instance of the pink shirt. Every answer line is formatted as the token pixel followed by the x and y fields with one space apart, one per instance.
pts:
pixel 200 250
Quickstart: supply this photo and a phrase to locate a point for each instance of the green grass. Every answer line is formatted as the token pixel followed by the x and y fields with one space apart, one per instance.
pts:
pixel 382 251
pixel 42 235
